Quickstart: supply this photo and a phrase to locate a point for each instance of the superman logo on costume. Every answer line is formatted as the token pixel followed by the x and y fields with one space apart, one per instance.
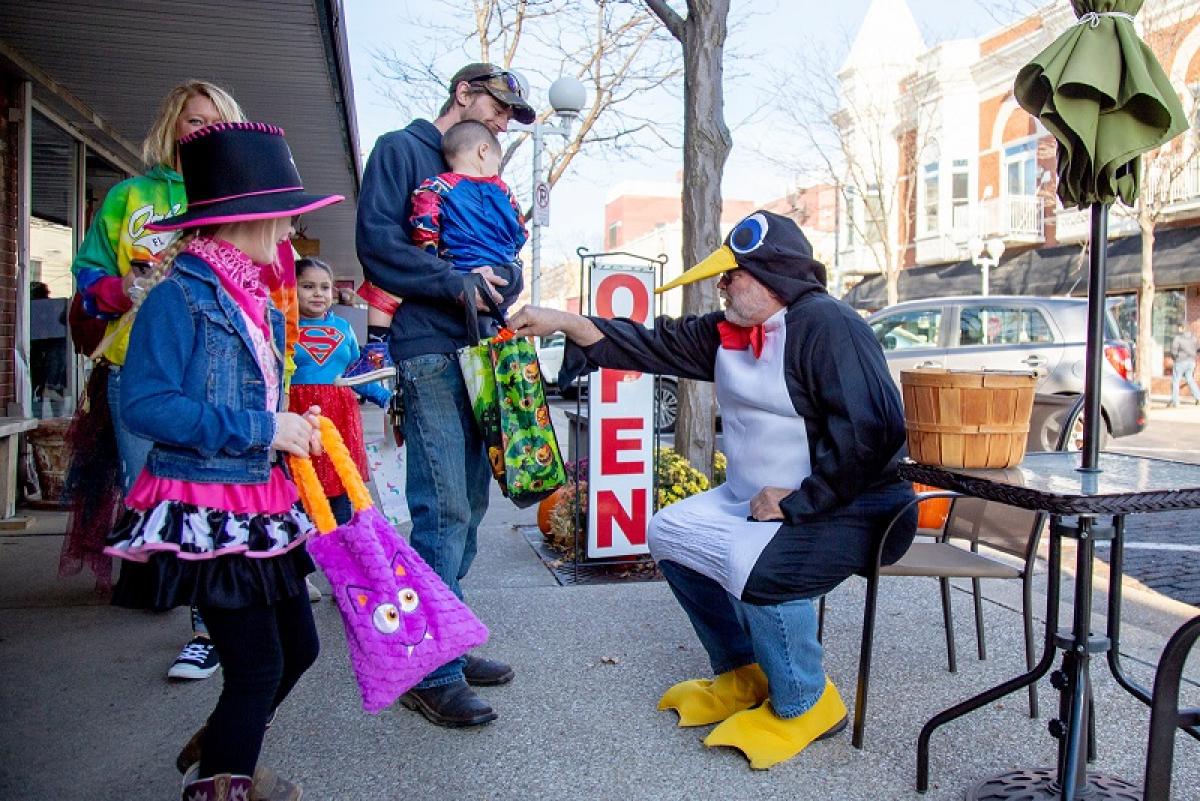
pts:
pixel 320 341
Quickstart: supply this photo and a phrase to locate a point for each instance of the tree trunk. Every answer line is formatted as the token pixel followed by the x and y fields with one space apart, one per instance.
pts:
pixel 893 287
pixel 706 145
pixel 1145 333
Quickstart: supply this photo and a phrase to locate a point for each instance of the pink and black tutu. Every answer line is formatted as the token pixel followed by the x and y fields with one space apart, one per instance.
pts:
pixel 183 543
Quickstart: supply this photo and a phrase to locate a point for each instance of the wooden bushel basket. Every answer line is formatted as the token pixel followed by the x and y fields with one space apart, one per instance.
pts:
pixel 967 418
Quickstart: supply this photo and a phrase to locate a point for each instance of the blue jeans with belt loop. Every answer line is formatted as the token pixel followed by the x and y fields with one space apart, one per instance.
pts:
pixel 782 638
pixel 1182 371
pixel 448 476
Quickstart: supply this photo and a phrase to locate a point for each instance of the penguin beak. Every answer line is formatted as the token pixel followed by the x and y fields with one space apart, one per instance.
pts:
pixel 719 261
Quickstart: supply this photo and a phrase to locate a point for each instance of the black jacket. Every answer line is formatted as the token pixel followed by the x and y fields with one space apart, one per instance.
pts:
pixel 431 318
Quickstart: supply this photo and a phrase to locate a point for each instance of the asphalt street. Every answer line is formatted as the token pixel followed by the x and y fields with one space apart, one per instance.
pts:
pixel 1162 550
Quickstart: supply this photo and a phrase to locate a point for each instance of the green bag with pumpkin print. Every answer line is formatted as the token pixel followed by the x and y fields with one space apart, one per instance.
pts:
pixel 508 397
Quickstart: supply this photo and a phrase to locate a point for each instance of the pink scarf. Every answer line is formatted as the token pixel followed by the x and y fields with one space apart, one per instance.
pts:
pixel 240 275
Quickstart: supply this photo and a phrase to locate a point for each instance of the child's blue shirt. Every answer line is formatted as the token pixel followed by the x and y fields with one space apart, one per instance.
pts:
pixel 325 349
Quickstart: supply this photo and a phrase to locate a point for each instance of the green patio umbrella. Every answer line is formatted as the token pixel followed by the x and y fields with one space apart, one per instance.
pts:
pixel 1099 89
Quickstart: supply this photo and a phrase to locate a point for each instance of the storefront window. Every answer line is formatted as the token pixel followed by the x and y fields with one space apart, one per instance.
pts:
pixel 51 249
pixel 1169 312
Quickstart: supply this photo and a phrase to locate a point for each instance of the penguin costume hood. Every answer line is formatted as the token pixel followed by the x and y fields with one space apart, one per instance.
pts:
pixel 770 247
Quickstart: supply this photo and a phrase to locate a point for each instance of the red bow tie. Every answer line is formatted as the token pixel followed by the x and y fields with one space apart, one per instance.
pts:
pixel 736 337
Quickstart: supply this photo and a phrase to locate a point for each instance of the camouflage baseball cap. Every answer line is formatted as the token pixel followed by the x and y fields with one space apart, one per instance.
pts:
pixel 506 86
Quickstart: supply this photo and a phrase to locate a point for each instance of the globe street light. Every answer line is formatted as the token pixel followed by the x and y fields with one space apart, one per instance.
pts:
pixel 567 98
pixel 994 248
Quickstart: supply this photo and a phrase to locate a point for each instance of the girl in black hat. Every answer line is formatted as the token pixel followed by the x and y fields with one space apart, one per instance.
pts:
pixel 212 520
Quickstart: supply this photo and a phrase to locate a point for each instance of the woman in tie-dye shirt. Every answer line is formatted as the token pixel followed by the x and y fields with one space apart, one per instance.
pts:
pixel 117 250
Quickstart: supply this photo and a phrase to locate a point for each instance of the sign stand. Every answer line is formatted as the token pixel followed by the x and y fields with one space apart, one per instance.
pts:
pixel 644 267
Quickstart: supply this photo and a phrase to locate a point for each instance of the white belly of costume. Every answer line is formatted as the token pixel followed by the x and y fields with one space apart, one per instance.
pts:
pixel 766 445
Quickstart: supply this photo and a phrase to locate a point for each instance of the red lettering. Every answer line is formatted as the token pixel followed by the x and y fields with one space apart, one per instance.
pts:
pixel 611 446
pixel 609 287
pixel 631 522
pixel 609 379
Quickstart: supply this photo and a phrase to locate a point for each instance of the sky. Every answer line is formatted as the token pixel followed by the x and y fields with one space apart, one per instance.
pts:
pixel 764 34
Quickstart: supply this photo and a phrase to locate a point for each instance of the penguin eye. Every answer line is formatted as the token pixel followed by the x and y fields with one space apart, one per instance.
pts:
pixel 748 234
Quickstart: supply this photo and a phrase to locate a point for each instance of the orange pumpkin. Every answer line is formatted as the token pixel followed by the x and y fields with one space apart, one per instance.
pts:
pixel 933 512
pixel 546 508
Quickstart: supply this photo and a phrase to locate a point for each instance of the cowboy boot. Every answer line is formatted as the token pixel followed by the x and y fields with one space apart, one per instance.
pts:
pixel 270 786
pixel 190 753
pixel 222 787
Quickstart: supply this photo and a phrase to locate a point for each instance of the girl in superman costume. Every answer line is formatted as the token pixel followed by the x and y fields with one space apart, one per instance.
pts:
pixel 325 347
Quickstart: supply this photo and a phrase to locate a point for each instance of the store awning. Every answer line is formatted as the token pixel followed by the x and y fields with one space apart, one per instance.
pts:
pixel 103 67
pixel 1060 270
pixel 960 278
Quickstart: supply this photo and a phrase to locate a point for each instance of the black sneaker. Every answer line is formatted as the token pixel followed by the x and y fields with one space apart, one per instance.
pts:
pixel 197 660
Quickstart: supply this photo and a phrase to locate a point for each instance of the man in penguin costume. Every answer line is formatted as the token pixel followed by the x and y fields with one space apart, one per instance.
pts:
pixel 813 428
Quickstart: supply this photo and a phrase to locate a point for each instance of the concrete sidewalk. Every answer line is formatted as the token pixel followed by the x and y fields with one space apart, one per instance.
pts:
pixel 89 715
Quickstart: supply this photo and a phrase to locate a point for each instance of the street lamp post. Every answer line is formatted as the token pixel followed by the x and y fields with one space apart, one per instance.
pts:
pixel 567 97
pixel 994 249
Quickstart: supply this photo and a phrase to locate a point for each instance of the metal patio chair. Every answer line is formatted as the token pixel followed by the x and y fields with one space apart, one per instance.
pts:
pixel 975 522
pixel 1166 716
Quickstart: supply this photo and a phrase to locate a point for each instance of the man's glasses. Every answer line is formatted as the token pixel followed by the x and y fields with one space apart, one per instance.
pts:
pixel 510 81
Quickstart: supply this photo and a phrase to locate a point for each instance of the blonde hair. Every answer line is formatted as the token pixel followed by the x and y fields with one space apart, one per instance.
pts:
pixel 159 146
pixel 263 235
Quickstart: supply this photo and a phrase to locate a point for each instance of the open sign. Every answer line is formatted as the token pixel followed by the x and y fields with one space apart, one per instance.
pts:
pixel 620 433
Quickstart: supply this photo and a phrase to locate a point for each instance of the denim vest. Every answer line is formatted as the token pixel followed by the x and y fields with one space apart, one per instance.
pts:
pixel 191 382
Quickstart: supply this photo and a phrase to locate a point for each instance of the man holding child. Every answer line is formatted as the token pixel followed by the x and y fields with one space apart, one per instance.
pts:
pixel 448 473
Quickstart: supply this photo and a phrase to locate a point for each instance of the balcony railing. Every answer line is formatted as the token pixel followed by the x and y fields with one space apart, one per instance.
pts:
pixel 940 249
pixel 1016 218
pixel 1181 195
pixel 1074 225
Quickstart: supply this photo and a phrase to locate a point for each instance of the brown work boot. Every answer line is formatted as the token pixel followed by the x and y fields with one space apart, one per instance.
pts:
pixel 452 705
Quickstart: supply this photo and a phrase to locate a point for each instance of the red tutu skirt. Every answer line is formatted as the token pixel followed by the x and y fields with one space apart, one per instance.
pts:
pixel 340 405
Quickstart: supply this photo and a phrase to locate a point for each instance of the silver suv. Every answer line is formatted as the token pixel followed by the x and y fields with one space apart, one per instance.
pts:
pixel 1014 332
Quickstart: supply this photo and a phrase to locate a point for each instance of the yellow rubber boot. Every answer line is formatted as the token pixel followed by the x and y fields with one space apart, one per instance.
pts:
pixel 767 740
pixel 701 702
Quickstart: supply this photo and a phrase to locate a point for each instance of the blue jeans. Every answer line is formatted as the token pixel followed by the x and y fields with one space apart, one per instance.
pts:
pixel 448 475
pixel 1183 371
pixel 782 638
pixel 131 448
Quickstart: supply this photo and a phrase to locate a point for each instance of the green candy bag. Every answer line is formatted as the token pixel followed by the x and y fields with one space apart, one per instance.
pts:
pixel 508 398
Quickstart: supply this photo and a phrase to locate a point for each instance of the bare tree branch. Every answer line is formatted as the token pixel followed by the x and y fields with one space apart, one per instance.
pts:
pixel 672 21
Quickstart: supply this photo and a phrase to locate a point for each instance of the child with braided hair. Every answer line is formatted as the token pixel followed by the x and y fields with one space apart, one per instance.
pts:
pixel 212 520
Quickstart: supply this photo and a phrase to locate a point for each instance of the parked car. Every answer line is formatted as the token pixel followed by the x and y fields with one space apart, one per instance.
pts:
pixel 1015 332
pixel 550 356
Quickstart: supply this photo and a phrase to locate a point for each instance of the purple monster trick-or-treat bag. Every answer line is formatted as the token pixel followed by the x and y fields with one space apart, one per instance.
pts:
pixel 402 621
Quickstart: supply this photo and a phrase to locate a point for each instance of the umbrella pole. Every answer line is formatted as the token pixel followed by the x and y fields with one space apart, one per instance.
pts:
pixel 1076 695
pixel 1093 418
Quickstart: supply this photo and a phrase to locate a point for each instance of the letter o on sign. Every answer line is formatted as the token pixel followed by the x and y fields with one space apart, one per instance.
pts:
pixel 607 292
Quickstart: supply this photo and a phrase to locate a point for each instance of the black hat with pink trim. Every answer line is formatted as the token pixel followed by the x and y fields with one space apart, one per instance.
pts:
pixel 236 172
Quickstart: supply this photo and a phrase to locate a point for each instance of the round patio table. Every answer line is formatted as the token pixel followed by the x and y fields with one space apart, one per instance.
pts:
pixel 1081 503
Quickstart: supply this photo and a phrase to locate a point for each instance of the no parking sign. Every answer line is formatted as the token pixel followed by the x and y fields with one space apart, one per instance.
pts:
pixel 541 203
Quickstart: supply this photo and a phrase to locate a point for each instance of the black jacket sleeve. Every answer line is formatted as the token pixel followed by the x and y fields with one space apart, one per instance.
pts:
pixel 389 259
pixel 857 423
pixel 684 347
